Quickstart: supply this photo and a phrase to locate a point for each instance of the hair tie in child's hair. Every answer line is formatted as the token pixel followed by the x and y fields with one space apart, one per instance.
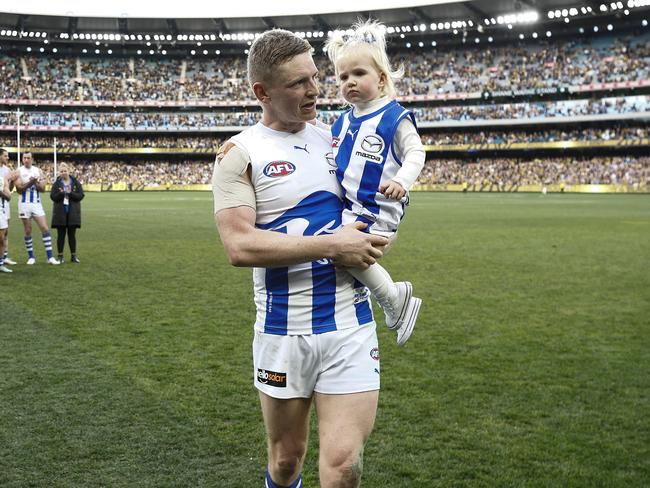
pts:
pixel 369 38
pixel 366 37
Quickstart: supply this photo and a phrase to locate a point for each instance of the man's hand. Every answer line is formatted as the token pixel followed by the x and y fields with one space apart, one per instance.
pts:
pixel 356 249
pixel 393 190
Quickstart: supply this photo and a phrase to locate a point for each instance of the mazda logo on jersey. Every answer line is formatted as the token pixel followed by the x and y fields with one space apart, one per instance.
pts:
pixel 372 144
pixel 275 169
pixel 330 159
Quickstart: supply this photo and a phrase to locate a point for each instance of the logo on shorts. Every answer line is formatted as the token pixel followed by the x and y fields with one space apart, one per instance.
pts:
pixel 361 294
pixel 272 378
pixel 275 169
pixel 374 353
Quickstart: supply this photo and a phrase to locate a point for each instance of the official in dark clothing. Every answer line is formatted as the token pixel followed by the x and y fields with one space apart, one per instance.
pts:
pixel 66 194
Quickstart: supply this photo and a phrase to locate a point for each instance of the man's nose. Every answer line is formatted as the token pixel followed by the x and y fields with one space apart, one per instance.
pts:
pixel 314 88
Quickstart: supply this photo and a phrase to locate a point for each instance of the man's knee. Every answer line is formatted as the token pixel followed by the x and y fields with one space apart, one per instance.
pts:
pixel 346 465
pixel 42 224
pixel 286 467
pixel 286 461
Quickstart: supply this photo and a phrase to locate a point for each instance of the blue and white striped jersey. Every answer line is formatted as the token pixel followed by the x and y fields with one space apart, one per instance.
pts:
pixel 365 157
pixel 297 193
pixel 31 194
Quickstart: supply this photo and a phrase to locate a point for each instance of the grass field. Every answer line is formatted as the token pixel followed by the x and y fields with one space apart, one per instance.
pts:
pixel 530 365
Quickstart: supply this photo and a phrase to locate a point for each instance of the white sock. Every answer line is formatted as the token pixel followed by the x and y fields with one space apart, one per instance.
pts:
pixel 378 281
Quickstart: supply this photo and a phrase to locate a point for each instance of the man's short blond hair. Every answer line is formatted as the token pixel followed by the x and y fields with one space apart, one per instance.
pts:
pixel 270 50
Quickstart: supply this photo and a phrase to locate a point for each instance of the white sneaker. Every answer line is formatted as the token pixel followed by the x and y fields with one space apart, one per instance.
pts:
pixel 411 316
pixel 53 260
pixel 31 261
pixel 10 261
pixel 395 310
pixel 4 269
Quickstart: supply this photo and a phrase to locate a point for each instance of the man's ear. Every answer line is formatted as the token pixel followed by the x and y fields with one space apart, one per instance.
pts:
pixel 260 92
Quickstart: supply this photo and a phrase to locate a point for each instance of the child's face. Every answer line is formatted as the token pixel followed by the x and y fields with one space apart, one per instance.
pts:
pixel 359 79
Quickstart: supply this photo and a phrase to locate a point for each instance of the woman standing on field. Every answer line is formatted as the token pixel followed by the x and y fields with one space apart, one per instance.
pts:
pixel 66 194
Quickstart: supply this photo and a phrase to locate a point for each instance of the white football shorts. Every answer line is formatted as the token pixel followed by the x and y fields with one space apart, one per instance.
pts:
pixel 4 223
pixel 6 210
pixel 29 210
pixel 334 363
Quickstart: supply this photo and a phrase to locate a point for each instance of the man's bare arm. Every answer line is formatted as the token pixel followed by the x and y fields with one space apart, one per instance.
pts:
pixel 20 186
pixel 248 246
pixel 5 190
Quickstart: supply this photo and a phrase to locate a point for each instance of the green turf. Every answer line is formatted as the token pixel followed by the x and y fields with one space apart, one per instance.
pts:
pixel 530 365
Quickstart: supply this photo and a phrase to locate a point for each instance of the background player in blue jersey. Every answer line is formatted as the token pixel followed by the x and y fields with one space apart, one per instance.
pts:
pixel 29 185
pixel 278 208
pixel 379 156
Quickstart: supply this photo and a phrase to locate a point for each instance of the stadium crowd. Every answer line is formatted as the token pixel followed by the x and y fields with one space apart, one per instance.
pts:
pixel 437 138
pixel 473 70
pixel 488 174
pixel 508 174
pixel 137 174
pixel 208 121
pixel 590 134
pixel 92 141
pixel 546 64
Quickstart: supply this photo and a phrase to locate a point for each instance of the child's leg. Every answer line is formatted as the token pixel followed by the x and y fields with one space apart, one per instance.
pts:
pixel 396 299
pixel 378 281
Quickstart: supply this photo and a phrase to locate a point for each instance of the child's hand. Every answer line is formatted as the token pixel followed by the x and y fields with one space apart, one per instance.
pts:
pixel 393 190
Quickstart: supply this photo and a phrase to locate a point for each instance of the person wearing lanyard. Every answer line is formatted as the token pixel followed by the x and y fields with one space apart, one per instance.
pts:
pixel 66 193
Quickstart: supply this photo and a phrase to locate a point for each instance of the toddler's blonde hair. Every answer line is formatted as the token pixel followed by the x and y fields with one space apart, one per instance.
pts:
pixel 369 36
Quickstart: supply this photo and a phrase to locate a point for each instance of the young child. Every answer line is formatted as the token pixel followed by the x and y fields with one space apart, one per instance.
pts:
pixel 379 155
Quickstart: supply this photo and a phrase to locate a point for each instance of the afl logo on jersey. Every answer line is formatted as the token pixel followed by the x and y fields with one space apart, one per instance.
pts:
pixel 372 144
pixel 275 169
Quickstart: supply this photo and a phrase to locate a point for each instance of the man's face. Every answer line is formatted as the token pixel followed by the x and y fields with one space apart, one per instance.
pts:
pixel 294 90
pixel 4 158
pixel 28 159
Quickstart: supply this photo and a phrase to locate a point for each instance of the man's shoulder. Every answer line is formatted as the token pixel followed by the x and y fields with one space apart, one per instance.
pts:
pixel 248 132
pixel 321 132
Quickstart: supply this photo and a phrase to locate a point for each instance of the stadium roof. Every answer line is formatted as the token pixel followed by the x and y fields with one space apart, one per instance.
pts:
pixel 202 9
pixel 441 22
